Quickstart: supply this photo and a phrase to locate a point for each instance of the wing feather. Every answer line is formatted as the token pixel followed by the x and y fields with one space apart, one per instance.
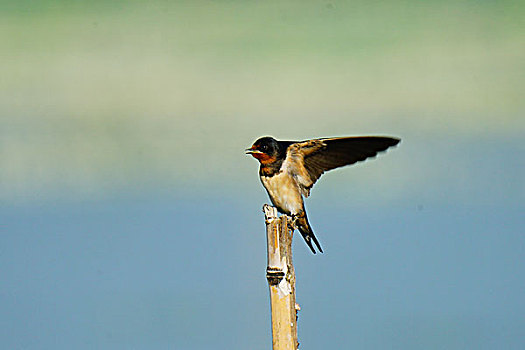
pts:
pixel 295 162
pixel 342 151
pixel 306 161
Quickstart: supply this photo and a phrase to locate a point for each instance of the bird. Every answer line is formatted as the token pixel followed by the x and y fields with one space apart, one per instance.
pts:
pixel 289 169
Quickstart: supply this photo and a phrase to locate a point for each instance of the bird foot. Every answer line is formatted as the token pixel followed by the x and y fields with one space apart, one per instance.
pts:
pixel 292 222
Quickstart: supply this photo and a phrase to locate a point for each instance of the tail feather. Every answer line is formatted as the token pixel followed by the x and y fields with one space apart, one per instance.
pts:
pixel 306 232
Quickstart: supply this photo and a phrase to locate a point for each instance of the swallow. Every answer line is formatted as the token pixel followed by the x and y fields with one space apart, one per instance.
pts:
pixel 289 169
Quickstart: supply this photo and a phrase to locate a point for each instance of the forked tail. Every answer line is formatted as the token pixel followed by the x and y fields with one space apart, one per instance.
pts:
pixel 306 231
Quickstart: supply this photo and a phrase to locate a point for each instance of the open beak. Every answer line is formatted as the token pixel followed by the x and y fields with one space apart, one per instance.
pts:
pixel 252 150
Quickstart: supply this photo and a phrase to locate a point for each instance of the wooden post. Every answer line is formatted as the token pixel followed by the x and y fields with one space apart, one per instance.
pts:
pixel 281 280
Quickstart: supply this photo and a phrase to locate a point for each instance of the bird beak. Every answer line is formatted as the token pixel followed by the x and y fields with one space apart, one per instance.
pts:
pixel 252 150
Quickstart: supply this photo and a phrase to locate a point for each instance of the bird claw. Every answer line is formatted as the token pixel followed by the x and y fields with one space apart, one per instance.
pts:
pixel 292 222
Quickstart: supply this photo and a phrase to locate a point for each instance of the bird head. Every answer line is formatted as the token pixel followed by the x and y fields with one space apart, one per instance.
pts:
pixel 265 149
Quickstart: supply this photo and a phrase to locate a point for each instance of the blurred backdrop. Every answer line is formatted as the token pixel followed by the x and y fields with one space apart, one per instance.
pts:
pixel 131 218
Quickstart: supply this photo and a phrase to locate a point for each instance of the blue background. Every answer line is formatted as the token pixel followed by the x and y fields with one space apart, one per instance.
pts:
pixel 130 217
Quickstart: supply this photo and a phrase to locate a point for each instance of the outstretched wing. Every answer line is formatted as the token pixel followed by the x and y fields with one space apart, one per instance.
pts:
pixel 310 159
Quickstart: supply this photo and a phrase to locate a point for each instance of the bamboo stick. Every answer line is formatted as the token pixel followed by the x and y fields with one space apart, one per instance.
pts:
pixel 281 280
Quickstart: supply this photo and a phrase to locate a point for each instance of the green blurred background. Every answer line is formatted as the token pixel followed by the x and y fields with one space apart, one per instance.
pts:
pixel 123 125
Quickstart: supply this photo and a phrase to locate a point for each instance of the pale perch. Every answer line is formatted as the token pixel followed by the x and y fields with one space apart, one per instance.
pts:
pixel 281 280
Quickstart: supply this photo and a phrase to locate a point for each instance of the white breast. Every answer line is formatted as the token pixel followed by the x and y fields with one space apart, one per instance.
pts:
pixel 284 192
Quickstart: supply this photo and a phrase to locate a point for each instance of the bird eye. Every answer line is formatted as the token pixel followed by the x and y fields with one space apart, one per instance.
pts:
pixel 264 147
